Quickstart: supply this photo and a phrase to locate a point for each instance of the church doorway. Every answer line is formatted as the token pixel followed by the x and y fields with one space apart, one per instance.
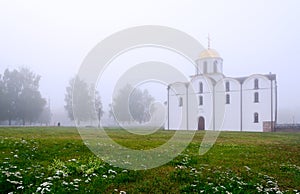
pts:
pixel 201 123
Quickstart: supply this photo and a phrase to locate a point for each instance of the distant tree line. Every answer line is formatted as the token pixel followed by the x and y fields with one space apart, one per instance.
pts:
pixel 20 99
pixel 129 105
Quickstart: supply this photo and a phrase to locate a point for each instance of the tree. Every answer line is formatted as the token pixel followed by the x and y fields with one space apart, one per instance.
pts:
pixel 12 88
pixel 120 105
pixel 132 104
pixel 2 103
pixel 21 98
pixel 98 106
pixel 30 104
pixel 83 101
pixel 45 116
pixel 69 100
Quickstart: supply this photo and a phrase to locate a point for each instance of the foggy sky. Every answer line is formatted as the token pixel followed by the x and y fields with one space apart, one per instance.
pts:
pixel 53 37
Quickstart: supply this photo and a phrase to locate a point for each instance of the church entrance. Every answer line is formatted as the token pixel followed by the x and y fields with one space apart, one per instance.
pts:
pixel 201 123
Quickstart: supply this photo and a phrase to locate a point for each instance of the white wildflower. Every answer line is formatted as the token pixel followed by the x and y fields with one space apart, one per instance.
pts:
pixel 14 182
pixel 111 171
pixel 77 180
pixel 65 183
pixel 18 175
pixel 247 168
pixel 20 187
pixel 46 184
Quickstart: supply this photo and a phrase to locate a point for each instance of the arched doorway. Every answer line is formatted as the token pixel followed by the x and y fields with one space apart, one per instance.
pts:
pixel 201 123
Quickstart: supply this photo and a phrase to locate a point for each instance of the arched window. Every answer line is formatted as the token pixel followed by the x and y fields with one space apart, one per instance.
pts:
pixel 205 67
pixel 256 97
pixel 216 66
pixel 227 99
pixel 200 87
pixel 256 84
pixel 180 101
pixel 256 120
pixel 200 100
pixel 227 86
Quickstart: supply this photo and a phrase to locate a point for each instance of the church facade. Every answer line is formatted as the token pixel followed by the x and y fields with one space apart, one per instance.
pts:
pixel 212 101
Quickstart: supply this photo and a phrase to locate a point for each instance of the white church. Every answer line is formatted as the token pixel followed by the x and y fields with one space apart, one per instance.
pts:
pixel 212 101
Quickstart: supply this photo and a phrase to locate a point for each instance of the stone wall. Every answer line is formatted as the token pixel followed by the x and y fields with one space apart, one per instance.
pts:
pixel 267 126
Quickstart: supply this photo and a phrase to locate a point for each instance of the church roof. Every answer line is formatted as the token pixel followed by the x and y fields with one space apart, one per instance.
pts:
pixel 209 53
pixel 269 76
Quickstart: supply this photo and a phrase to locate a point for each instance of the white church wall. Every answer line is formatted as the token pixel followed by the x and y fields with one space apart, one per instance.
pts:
pixel 176 111
pixel 250 107
pixel 193 103
pixel 204 110
pixel 232 119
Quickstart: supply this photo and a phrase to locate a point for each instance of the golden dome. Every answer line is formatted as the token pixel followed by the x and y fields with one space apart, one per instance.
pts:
pixel 209 53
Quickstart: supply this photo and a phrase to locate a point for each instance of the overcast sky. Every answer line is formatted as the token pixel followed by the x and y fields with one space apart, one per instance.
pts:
pixel 53 37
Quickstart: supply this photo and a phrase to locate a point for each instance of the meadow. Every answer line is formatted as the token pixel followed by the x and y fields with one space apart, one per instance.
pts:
pixel 55 160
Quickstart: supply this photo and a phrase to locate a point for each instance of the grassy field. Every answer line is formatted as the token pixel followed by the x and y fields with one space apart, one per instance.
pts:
pixel 55 160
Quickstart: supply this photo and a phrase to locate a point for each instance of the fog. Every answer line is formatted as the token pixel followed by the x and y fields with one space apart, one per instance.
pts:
pixel 52 38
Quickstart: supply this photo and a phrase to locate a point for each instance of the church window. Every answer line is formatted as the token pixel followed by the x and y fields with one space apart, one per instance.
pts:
pixel 256 120
pixel 180 101
pixel 227 86
pixel 200 87
pixel 200 100
pixel 227 99
pixel 205 67
pixel 256 97
pixel 256 84
pixel 216 66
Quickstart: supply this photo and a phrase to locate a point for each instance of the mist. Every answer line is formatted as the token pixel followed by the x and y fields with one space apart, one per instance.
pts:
pixel 53 38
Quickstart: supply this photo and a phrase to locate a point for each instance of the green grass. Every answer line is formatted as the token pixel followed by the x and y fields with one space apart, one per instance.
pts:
pixel 55 160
